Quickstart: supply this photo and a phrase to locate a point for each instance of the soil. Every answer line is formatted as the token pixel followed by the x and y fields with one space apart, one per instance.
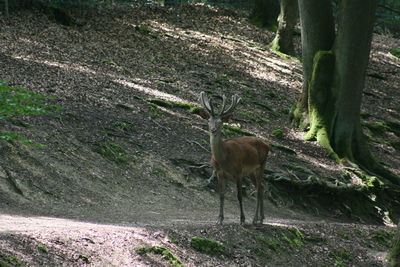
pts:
pixel 119 173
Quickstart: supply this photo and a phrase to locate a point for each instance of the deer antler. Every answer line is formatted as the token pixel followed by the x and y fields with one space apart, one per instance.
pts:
pixel 235 101
pixel 207 104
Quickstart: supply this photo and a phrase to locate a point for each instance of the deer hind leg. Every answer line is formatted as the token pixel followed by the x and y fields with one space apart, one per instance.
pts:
pixel 258 183
pixel 221 187
pixel 240 196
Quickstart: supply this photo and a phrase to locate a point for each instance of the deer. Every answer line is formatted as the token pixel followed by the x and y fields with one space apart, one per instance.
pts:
pixel 236 158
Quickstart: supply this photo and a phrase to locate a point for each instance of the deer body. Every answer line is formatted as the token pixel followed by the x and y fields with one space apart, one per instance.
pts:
pixel 236 159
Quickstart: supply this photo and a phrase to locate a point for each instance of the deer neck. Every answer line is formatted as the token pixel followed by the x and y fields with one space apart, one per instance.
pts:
pixel 218 147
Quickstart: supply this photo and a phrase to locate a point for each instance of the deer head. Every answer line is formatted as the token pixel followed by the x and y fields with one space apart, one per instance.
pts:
pixel 215 121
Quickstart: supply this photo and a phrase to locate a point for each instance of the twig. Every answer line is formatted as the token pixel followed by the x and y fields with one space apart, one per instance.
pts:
pixel 197 143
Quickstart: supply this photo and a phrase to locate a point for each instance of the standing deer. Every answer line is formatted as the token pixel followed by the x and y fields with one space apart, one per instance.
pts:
pixel 235 158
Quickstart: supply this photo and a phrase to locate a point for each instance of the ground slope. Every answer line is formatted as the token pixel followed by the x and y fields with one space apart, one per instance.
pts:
pixel 122 170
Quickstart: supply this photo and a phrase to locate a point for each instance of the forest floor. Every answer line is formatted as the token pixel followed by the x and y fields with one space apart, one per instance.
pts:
pixel 122 179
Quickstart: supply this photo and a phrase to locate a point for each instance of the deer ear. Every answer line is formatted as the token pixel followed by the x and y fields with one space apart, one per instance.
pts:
pixel 227 117
pixel 202 113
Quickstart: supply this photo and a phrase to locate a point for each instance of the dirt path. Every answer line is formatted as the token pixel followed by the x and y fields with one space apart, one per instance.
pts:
pixel 48 241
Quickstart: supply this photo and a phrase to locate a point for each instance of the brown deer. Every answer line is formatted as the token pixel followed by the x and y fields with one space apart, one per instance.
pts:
pixel 235 158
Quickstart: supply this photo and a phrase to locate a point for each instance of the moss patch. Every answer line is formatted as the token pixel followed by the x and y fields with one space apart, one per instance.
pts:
pixel 231 131
pixel 278 133
pixel 164 252
pixel 395 53
pixel 209 246
pixel 112 151
pixel 6 260
pixel 384 238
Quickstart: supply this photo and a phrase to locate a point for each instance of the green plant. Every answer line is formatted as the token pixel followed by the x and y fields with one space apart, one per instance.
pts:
pixel 166 254
pixel 123 126
pixel 145 31
pixel 342 257
pixel 231 131
pixel 6 260
pixel 278 133
pixel 19 101
pixel 209 246
pixel 112 152
pixel 42 248
pixel 155 111
pixel 222 80
pixel 271 244
pixel 383 237
pixel 395 53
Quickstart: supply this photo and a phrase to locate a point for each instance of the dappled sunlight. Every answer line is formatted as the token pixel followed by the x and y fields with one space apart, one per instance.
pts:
pixel 151 92
pixel 71 66
pixel 257 63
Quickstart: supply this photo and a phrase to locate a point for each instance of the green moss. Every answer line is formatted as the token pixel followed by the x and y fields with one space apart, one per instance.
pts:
pixel 232 131
pixel 222 80
pixel 278 133
pixel 342 258
pixel 84 258
pixel 123 126
pixel 393 127
pixel 287 239
pixel 6 261
pixel 395 53
pixel 270 243
pixel 145 31
pixel 297 233
pixel 155 112
pixel 377 128
pixel 393 256
pixel 168 104
pixel 112 152
pixel 209 246
pixel 42 248
pixel 384 238
pixel 320 106
pixel 166 254
pixel 161 103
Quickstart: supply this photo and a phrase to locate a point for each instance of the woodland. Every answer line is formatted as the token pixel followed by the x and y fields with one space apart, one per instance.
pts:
pixel 108 122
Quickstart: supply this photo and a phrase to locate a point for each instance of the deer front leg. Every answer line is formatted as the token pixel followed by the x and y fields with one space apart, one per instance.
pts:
pixel 221 185
pixel 239 196
pixel 261 189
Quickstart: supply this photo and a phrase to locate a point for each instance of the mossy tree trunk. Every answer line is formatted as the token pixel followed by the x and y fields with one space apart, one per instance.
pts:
pixel 317 33
pixel 265 13
pixel 334 77
pixel 287 19
pixel 394 252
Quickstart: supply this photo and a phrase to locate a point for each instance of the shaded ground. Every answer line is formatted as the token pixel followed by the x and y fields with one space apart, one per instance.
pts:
pixel 125 173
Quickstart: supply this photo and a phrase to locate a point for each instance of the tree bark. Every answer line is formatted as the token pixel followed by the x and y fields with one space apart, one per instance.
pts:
pixel 287 19
pixel 265 13
pixel 334 77
pixel 6 8
pixel 317 33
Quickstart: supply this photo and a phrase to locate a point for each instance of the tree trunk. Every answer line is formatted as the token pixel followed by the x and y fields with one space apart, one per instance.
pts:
pixel 334 77
pixel 394 252
pixel 317 33
pixel 287 19
pixel 6 8
pixel 265 13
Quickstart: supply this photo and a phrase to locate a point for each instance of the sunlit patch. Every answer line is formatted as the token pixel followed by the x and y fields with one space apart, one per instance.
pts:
pixel 70 66
pixel 257 63
pixel 152 92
